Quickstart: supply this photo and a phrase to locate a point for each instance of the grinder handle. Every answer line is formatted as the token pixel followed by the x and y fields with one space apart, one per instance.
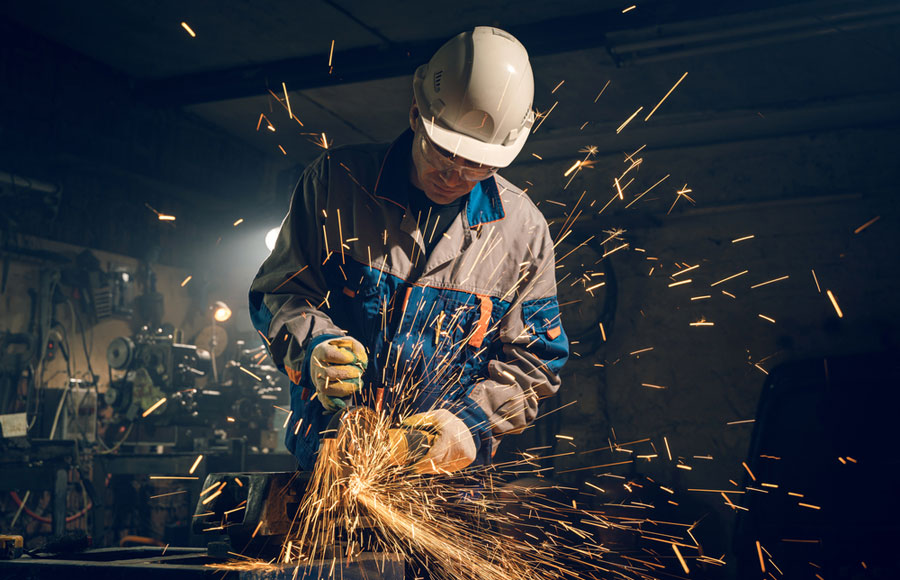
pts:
pixel 409 445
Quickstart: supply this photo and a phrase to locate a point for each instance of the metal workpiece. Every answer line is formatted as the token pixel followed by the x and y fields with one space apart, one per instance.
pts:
pixel 152 563
pixel 253 509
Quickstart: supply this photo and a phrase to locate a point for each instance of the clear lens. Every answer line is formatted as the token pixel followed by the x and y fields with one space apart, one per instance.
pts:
pixel 445 163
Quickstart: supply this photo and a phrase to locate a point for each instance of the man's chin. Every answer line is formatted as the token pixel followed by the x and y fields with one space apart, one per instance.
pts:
pixel 443 196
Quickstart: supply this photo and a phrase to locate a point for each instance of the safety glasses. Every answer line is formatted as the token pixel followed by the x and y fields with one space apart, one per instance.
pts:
pixel 445 162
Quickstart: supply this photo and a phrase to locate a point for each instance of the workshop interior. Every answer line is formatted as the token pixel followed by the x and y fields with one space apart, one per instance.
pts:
pixel 719 180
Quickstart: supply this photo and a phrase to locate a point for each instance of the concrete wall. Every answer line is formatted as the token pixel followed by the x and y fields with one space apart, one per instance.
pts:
pixel 801 197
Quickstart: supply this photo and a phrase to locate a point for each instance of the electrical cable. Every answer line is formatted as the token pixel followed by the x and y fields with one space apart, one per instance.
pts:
pixel 139 541
pixel 64 341
pixel 43 519
pixel 42 336
pixel 87 357
pixel 80 323
pixel 115 447
pixel 19 511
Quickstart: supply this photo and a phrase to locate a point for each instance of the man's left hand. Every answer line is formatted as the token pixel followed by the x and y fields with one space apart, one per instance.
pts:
pixel 452 446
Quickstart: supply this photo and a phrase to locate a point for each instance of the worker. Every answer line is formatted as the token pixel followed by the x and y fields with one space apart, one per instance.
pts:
pixel 413 278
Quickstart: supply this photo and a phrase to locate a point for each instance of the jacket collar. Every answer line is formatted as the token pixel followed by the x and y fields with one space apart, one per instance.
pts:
pixel 391 185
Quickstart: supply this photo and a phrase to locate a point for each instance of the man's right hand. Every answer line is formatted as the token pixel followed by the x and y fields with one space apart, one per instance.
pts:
pixel 336 368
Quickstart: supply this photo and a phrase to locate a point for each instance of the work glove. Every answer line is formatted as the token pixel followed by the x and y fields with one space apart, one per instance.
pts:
pixel 336 368
pixel 435 441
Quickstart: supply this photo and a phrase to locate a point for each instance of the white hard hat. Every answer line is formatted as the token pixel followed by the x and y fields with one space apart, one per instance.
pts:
pixel 475 96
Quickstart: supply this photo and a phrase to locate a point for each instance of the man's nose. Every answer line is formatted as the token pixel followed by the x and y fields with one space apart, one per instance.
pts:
pixel 452 176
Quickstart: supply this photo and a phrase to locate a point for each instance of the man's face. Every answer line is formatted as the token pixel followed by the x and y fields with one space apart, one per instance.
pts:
pixel 442 176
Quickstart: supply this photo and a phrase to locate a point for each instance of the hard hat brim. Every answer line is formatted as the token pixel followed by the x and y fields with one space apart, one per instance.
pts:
pixel 473 149
pixel 469 148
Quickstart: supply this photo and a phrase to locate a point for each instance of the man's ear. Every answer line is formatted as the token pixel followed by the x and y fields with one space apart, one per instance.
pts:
pixel 413 116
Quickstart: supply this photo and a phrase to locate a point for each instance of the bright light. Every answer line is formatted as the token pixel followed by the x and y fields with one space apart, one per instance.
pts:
pixel 271 236
pixel 221 312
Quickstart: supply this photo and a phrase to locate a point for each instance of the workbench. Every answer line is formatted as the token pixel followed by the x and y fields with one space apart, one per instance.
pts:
pixel 152 563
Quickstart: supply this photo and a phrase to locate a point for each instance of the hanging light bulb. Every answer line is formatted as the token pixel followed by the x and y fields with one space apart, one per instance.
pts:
pixel 221 311
pixel 271 236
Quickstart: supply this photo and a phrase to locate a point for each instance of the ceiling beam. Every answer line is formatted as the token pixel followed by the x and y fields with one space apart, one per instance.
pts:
pixel 551 36
pixel 704 129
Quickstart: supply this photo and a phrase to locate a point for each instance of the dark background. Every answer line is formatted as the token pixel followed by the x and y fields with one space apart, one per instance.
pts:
pixel 785 129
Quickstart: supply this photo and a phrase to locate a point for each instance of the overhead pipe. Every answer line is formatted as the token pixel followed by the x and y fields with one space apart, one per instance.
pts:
pixel 20 182
pixel 745 31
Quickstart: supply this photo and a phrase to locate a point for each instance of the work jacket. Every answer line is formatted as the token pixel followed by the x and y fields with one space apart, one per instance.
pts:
pixel 473 327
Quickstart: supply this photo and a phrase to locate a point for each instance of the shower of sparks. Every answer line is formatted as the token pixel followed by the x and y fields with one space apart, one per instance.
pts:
pixel 867 224
pixel 189 29
pixel 185 281
pixel 647 191
pixel 287 100
pixel 269 124
pixel 647 118
pixel 762 563
pixel 277 288
pixel 628 120
pixel 769 282
pixel 154 407
pixel 834 303
pixel 357 491
pixel 683 192
pixel 196 464
pixel 680 272
pixel 681 561
pixel 358 499
pixel 601 91
pixel 728 278
pixel 286 106
pixel 572 169
pixel 543 117
pixel 168 494
pixel 747 468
